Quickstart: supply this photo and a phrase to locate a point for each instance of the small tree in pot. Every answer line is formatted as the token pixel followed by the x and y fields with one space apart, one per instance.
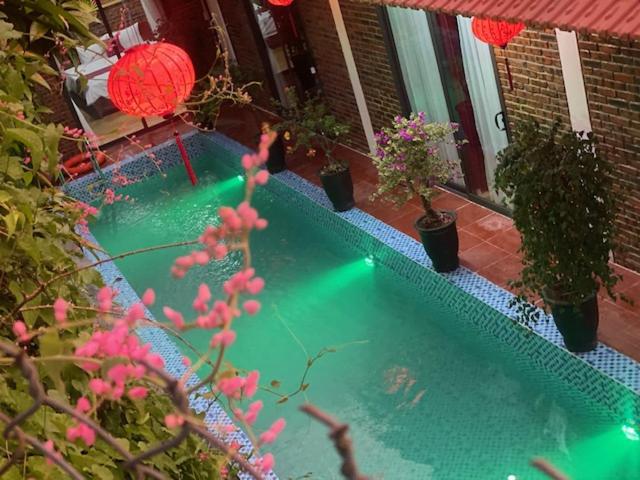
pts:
pixel 564 207
pixel 311 125
pixel 410 165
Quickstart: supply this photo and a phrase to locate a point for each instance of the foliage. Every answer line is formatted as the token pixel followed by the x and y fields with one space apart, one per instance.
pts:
pixel 564 207
pixel 312 126
pixel 409 162
pixel 214 90
pixel 39 242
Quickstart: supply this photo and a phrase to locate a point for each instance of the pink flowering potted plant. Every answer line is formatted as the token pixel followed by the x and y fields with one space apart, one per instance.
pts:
pixel 410 164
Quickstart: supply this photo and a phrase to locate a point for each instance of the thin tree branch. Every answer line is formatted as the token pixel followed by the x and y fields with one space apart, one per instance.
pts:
pixel 338 432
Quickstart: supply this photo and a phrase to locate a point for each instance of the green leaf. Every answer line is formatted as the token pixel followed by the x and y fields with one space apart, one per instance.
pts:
pixel 11 221
pixel 29 139
pixel 37 31
pixel 39 79
pixel 101 472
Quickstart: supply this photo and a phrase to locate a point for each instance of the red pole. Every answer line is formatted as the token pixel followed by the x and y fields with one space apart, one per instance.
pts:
pixel 185 158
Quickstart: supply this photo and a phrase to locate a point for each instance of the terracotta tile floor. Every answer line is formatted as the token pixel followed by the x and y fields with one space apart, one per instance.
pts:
pixel 488 241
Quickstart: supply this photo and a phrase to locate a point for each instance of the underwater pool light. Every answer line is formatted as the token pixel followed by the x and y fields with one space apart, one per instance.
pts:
pixel 369 260
pixel 512 477
pixel 630 431
pixel 240 177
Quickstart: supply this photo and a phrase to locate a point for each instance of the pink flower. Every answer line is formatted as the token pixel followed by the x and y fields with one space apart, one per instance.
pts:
pixel 252 412
pixel 201 257
pixel 175 317
pixel 261 177
pixel 224 338
pixel 204 295
pixel 173 420
pixel 83 405
pixel 135 313
pixel 231 386
pixel 20 331
pixel 83 432
pixel 118 373
pixel 255 286
pixel 60 307
pixel 266 463
pixel 186 361
pixel 137 393
pixel 247 162
pixel 49 447
pixel 252 306
pixel 274 430
pixel 105 299
pixel 149 297
pixel 261 224
pixel 251 383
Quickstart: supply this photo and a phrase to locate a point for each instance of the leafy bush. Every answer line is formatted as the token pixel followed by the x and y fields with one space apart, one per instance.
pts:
pixel 410 164
pixel 564 206
pixel 39 244
pixel 312 126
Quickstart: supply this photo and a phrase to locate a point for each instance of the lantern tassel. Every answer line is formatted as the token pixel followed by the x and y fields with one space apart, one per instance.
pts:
pixel 509 76
pixel 185 158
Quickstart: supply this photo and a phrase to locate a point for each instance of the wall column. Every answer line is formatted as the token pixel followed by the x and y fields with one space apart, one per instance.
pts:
pixel 573 81
pixel 353 73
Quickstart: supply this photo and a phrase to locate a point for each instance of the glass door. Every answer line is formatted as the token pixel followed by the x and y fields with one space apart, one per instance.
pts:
pixel 289 58
pixel 451 76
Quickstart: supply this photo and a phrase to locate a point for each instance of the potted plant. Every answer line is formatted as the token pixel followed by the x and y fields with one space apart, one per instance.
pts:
pixel 410 165
pixel 310 125
pixel 563 203
pixel 276 162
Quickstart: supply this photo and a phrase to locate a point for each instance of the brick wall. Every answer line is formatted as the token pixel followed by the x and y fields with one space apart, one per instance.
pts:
pixel 332 70
pixel 538 86
pixel 370 55
pixel 611 69
pixel 372 61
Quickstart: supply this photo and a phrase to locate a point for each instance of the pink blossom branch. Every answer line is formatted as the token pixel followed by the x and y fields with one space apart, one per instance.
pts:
pixel 25 438
pixel 43 286
pixel 180 399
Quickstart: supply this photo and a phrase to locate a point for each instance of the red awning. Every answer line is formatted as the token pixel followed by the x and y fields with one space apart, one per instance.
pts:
pixel 614 17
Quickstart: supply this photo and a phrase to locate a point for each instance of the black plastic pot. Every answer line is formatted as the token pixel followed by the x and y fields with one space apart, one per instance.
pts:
pixel 578 324
pixel 339 188
pixel 441 244
pixel 276 162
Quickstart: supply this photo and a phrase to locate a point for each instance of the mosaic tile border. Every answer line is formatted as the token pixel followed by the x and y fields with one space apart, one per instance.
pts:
pixel 607 376
pixel 591 373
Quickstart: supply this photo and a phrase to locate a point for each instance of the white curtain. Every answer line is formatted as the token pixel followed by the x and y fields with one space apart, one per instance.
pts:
pixel 483 89
pixel 419 65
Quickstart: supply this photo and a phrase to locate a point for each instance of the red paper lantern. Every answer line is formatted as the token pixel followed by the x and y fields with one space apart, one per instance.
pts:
pixel 151 79
pixel 281 3
pixel 495 32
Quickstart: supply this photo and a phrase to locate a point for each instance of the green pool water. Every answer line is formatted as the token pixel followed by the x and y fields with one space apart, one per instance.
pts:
pixel 427 396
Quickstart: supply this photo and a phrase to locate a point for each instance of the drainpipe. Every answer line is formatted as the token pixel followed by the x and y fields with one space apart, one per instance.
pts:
pixel 353 74
pixel 573 81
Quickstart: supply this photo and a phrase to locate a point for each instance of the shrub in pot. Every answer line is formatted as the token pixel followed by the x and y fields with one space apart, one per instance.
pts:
pixel 563 203
pixel 310 125
pixel 410 165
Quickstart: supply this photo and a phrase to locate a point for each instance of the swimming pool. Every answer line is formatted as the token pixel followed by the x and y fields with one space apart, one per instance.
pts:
pixel 428 393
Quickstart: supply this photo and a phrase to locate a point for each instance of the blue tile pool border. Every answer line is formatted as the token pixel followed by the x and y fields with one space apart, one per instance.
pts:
pixel 606 375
